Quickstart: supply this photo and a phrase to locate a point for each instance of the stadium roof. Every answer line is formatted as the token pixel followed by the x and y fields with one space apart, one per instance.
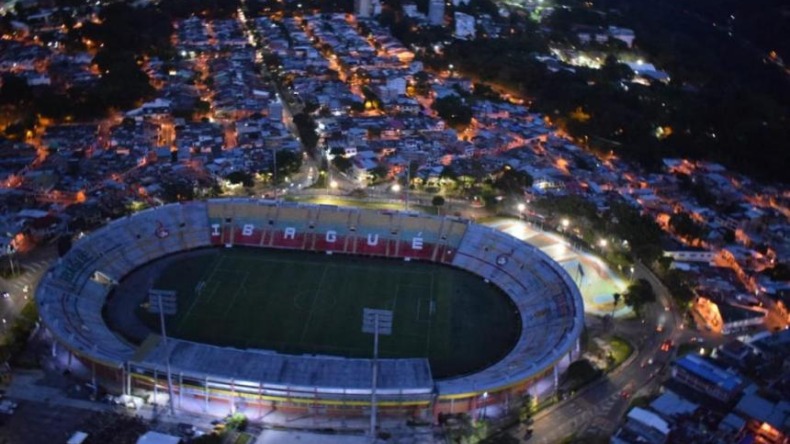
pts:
pixel 274 369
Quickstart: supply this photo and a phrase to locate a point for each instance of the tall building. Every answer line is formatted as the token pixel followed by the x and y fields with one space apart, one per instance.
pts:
pixel 362 8
pixel 436 12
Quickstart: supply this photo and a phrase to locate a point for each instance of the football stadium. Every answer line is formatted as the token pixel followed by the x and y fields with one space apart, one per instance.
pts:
pixel 274 305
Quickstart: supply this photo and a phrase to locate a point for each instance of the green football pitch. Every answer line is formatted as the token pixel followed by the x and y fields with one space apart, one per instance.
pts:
pixel 299 302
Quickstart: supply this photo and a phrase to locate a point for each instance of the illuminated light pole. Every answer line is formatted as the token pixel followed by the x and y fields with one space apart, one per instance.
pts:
pixel 378 322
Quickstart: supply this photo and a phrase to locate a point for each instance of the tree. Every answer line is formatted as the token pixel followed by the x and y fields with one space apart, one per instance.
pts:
pixel 453 110
pixel 379 173
pixel 677 282
pixel 240 177
pixel 15 90
pixel 683 225
pixel 639 294
pixel 288 162
pixel 438 202
pixel 614 71
pixel 343 164
pixel 728 236
pixel 510 180
pixel 615 300
pixel 780 272
pixel 306 126
pixel 526 408
pixel 177 191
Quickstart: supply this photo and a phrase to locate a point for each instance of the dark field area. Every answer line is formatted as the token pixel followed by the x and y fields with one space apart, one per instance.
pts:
pixel 297 302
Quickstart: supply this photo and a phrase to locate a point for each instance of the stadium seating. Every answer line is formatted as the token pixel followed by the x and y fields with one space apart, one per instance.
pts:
pixel 543 295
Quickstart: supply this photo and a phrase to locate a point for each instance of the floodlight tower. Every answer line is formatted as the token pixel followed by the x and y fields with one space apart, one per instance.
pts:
pixel 159 295
pixel 376 322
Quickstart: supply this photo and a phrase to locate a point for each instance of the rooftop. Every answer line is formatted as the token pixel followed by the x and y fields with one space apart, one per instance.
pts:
pixel 712 373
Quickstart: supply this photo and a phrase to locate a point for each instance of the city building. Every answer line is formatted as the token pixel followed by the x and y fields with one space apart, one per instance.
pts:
pixel 464 26
pixel 642 426
pixel 436 12
pixel 707 378
pixel 363 8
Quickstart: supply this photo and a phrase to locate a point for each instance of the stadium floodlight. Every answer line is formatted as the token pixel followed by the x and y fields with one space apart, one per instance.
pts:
pixel 485 404
pixel 170 295
pixel 376 322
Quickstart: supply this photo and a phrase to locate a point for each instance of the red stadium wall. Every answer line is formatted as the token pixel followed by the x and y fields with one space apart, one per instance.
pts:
pixel 368 244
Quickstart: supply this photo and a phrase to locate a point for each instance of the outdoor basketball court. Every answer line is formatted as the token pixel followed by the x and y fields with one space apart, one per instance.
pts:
pixel 596 281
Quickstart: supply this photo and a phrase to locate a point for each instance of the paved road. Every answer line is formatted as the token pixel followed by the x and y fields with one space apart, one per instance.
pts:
pixel 596 411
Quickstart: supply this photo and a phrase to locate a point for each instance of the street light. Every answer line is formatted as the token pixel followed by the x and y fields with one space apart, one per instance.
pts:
pixel 396 188
pixel 602 243
pixel 333 184
pixel 565 223
pixel 485 403
pixel 521 207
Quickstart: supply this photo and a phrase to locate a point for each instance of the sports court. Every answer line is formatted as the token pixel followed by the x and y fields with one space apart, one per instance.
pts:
pixel 596 281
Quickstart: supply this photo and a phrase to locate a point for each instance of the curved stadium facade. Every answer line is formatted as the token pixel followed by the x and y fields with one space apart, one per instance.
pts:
pixel 73 293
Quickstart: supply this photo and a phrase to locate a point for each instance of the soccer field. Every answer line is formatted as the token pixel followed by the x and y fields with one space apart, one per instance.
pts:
pixel 298 302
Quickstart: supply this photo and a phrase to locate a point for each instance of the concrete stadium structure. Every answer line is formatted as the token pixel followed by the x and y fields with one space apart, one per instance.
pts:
pixel 73 293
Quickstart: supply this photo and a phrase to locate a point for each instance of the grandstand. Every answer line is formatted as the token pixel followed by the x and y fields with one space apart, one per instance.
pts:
pixel 71 298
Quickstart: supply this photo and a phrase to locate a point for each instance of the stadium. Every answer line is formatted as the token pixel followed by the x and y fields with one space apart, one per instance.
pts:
pixel 248 330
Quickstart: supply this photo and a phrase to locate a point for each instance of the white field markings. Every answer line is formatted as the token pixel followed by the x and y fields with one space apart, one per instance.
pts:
pixel 241 288
pixel 264 274
pixel 430 318
pixel 301 263
pixel 314 303
pixel 195 299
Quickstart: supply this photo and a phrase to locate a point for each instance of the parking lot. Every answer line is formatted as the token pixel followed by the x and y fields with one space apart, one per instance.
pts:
pixel 40 423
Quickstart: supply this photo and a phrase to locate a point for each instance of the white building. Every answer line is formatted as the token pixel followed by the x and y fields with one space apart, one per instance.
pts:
pixel 464 26
pixel 623 34
pixel 363 8
pixel 376 4
pixel 410 9
pixel 397 85
pixel 436 12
